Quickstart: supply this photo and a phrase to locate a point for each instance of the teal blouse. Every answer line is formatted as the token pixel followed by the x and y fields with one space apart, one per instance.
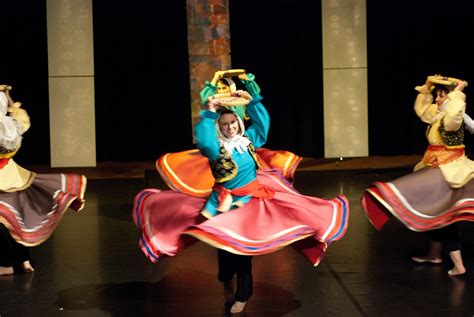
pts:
pixel 208 143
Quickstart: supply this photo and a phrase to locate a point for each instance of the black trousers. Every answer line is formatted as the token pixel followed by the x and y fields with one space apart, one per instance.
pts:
pixel 231 264
pixel 448 236
pixel 11 252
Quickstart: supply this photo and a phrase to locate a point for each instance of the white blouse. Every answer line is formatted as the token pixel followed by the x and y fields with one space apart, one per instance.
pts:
pixel 10 129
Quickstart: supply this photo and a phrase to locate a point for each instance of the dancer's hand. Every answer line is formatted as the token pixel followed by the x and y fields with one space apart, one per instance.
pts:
pixel 11 103
pixel 213 105
pixel 460 86
pixel 242 93
pixel 244 77
pixel 5 88
pixel 429 85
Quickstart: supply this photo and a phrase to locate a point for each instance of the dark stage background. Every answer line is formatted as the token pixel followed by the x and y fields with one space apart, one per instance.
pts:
pixel 142 78
pixel 24 65
pixel 281 43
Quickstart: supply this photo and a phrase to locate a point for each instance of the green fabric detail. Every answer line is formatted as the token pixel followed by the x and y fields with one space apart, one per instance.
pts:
pixel 251 86
pixel 208 91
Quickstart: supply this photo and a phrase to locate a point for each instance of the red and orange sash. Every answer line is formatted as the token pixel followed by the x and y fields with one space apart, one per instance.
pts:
pixel 436 155
pixel 255 189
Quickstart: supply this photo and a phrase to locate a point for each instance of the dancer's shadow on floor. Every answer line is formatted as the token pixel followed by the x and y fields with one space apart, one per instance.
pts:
pixel 190 293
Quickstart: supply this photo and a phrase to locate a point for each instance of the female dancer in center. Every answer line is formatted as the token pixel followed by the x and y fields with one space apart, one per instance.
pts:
pixel 250 210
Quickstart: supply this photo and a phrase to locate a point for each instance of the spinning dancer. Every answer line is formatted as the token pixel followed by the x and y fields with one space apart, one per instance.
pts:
pixel 440 192
pixel 247 210
pixel 31 205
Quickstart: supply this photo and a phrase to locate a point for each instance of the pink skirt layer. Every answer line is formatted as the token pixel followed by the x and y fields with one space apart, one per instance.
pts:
pixel 169 221
pixel 422 201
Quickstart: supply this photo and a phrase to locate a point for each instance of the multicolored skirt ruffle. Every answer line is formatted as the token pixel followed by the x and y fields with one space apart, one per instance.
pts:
pixel 189 172
pixel 422 201
pixel 32 214
pixel 170 221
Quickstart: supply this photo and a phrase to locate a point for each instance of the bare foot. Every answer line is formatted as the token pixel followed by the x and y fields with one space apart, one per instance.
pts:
pixel 455 271
pixel 238 307
pixel 6 270
pixel 458 268
pixel 229 292
pixel 424 259
pixel 27 267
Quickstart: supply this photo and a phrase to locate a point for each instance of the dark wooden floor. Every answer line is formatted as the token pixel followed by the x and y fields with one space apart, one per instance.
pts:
pixel 92 266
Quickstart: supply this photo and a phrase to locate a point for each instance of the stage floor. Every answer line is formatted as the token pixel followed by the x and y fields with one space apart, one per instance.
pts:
pixel 92 266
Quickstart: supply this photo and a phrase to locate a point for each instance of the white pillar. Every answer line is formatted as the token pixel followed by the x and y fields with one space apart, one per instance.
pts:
pixel 345 78
pixel 71 83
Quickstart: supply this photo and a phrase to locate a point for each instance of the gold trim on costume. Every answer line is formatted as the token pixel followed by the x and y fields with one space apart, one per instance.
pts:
pixel 7 154
pixel 224 168
pixel 451 138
